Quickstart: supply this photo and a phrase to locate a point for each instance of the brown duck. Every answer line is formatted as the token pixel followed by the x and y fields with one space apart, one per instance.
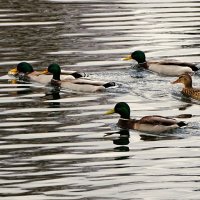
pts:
pixel 188 90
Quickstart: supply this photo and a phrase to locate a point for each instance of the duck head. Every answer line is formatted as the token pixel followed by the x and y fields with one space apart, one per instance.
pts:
pixel 139 56
pixel 185 79
pixel 53 69
pixel 22 67
pixel 122 109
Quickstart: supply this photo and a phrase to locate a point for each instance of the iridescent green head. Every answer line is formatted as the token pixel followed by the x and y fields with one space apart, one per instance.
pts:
pixel 122 109
pixel 24 67
pixel 55 70
pixel 139 56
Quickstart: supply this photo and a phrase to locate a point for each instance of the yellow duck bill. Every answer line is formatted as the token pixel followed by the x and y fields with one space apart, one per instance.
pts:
pixel 44 72
pixel 13 71
pixel 109 112
pixel 127 58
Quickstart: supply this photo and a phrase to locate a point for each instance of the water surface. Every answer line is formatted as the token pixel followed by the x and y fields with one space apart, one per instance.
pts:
pixel 59 145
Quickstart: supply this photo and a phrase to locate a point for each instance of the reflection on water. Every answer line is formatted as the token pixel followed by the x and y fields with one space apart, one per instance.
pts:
pixel 53 95
pixel 57 144
pixel 122 140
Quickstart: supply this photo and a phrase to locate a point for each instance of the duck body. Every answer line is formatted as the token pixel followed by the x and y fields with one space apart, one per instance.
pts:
pixel 24 71
pixel 44 79
pixel 188 90
pixel 82 87
pixel 193 93
pixel 80 84
pixel 154 123
pixel 167 68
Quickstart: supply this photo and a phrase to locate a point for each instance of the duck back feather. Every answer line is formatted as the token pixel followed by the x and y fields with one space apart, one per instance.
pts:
pixel 82 87
pixel 191 92
pixel 45 79
pixel 154 128
pixel 155 123
pixel 169 70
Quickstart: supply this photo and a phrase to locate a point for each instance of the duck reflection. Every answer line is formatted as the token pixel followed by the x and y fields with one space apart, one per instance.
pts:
pixel 148 137
pixel 122 140
pixel 184 107
pixel 53 94
pixel 24 88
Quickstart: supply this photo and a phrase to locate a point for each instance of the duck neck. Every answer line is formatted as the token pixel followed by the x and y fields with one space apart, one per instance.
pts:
pixel 188 84
pixel 56 76
pixel 143 65
pixel 126 123
pixel 125 116
pixel 55 83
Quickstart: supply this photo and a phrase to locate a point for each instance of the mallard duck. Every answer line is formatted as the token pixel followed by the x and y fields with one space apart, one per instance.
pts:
pixel 80 84
pixel 154 123
pixel 24 71
pixel 168 68
pixel 188 90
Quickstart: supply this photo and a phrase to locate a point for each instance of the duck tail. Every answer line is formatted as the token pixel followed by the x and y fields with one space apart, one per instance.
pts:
pixel 109 84
pixel 194 68
pixel 181 123
pixel 79 74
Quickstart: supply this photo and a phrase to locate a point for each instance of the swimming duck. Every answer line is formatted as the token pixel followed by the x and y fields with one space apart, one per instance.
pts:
pixel 154 123
pixel 188 90
pixel 168 68
pixel 24 71
pixel 80 84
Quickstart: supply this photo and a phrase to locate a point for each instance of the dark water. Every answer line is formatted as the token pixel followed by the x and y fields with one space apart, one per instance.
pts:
pixel 60 145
